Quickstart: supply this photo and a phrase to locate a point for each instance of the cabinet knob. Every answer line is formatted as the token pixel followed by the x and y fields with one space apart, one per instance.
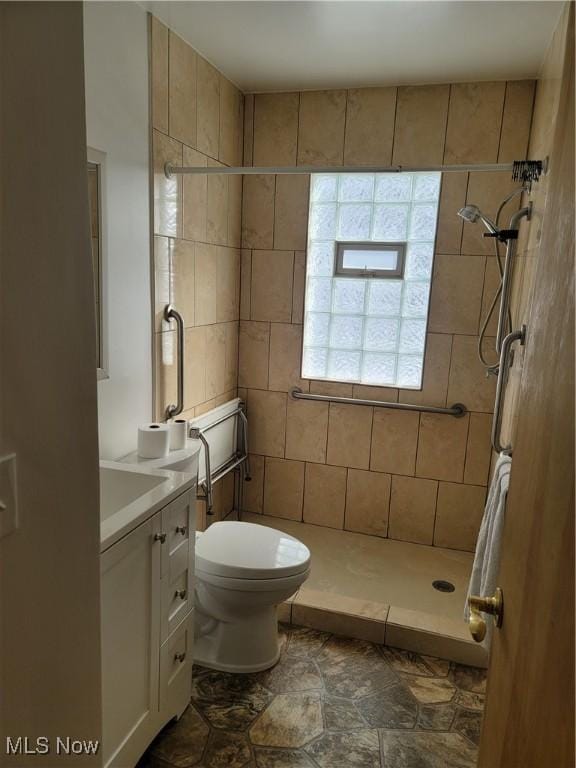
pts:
pixel 181 529
pixel 161 537
pixel 181 593
pixel 179 657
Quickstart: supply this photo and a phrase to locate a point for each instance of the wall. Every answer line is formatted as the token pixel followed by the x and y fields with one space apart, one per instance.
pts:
pixel 197 119
pixel 546 107
pixel 116 56
pixel 410 476
pixel 49 567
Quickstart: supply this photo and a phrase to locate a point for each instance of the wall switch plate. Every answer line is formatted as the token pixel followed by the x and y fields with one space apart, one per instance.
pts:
pixel 8 497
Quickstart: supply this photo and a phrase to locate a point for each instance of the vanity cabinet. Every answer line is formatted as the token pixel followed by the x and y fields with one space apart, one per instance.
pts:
pixel 147 598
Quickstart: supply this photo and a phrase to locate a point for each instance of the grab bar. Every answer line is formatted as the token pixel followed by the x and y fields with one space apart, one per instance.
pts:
pixel 196 434
pixel 456 410
pixel 507 277
pixel 240 458
pixel 171 314
pixel 501 387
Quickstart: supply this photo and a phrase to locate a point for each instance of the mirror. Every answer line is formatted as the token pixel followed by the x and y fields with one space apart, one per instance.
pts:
pixel 95 168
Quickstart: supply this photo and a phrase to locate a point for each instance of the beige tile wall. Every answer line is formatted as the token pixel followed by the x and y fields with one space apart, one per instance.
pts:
pixel 197 119
pixel 410 476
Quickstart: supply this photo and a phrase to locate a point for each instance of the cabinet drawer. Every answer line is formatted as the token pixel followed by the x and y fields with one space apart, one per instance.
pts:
pixel 176 656
pixel 179 525
pixel 177 600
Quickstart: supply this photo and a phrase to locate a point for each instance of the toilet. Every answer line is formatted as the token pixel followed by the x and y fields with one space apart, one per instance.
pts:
pixel 242 572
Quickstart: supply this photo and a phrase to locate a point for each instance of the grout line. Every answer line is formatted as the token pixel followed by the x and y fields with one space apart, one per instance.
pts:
pixel 304 490
pixel 446 122
pixel 502 120
pixel 346 92
pixel 435 512
pixel 298 126
pixel 394 125
pixel 466 448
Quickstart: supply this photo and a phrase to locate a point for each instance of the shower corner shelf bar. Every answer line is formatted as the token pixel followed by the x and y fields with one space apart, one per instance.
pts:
pixel 457 409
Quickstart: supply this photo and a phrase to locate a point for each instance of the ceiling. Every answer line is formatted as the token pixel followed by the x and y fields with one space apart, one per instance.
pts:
pixel 278 45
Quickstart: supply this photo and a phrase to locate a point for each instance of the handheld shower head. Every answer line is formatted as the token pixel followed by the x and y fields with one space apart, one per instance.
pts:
pixel 472 214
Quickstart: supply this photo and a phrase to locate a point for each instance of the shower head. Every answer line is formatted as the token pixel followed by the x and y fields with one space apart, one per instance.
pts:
pixel 472 214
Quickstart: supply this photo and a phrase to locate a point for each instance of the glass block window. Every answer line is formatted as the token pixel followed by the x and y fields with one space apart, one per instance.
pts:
pixel 365 317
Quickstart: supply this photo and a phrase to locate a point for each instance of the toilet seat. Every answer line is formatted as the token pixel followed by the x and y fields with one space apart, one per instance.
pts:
pixel 290 583
pixel 234 550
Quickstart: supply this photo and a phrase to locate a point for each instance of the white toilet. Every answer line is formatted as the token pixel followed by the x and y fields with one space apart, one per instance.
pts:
pixel 243 571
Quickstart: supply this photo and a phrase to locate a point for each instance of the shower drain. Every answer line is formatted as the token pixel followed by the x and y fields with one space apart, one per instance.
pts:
pixel 443 586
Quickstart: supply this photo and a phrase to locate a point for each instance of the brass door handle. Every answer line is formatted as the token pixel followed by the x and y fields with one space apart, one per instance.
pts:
pixel 492 605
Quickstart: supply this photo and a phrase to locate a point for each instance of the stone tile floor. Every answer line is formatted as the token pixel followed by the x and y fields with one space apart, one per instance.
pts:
pixel 330 702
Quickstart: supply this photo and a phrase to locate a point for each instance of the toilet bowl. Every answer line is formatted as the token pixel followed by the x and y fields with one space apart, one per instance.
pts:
pixel 242 572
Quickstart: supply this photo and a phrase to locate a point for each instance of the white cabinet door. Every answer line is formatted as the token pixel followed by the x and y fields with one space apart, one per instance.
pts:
pixel 130 598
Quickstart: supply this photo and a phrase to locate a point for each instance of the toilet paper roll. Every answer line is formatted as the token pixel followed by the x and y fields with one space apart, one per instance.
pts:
pixel 153 441
pixel 178 434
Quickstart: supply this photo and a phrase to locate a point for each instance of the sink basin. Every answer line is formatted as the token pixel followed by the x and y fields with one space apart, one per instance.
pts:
pixel 130 494
pixel 119 488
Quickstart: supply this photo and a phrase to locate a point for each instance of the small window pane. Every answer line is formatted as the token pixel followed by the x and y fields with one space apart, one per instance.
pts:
pixel 320 259
pixel 354 222
pixel 390 222
pixel 322 223
pixel 319 295
pixel 415 300
pixel 356 187
pixel 314 362
pixel 378 368
pixel 344 365
pixel 409 371
pixel 385 297
pixel 381 334
pixel 419 261
pixel 423 222
pixel 346 331
pixel 349 296
pixel 369 259
pixel 393 187
pixel 427 187
pixel 317 328
pixel 412 336
pixel 324 188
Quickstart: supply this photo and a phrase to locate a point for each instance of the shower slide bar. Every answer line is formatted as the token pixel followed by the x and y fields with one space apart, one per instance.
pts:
pixel 171 314
pixel 239 459
pixel 503 369
pixel 457 410
pixel 172 170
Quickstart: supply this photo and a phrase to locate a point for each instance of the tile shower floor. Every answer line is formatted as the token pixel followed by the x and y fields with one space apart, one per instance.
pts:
pixel 330 702
pixel 381 590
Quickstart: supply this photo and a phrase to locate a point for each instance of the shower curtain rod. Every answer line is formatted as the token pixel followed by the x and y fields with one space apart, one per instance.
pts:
pixel 172 170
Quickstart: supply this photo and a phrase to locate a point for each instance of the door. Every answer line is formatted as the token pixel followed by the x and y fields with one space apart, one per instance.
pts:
pixel 529 716
pixel 130 643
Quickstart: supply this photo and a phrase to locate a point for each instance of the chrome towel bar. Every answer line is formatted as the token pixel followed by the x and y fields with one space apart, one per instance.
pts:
pixel 503 369
pixel 456 410
pixel 171 314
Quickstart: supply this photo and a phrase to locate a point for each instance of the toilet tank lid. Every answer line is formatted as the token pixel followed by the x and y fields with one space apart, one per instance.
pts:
pixel 249 551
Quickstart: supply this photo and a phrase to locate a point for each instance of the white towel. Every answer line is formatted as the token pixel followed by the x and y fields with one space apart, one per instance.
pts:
pixel 487 558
